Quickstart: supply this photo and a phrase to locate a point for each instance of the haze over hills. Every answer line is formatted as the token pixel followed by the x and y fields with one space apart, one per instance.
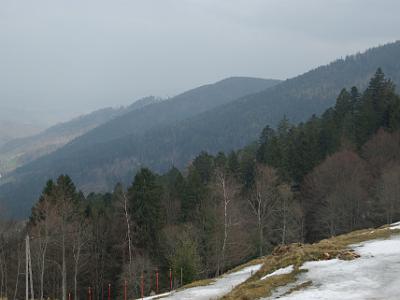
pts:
pixel 138 122
pixel 14 129
pixel 19 151
pixel 199 149
pixel 112 152
pixel 174 131
pixel 178 108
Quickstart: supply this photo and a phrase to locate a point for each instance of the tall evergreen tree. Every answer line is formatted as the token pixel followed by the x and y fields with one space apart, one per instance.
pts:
pixel 145 203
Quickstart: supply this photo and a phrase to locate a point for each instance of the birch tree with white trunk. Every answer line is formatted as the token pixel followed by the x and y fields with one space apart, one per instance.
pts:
pixel 263 200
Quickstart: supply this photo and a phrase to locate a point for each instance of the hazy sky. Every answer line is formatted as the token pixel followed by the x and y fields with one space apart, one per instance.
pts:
pixel 60 58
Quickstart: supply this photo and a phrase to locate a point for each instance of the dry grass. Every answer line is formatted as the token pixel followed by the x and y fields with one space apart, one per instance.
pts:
pixel 253 262
pixel 208 281
pixel 202 282
pixel 298 287
pixel 296 255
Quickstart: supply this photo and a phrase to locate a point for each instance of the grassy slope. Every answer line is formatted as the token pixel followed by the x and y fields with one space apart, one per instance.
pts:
pixel 296 255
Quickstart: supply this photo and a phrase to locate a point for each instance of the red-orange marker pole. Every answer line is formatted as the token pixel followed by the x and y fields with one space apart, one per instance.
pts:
pixel 142 286
pixel 157 281
pixel 170 279
pixel 125 290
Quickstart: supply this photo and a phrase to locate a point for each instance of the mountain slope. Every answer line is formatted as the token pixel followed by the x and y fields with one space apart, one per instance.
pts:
pixel 238 123
pixel 10 130
pixel 19 151
pixel 226 127
pixel 172 133
pixel 178 108
pixel 136 123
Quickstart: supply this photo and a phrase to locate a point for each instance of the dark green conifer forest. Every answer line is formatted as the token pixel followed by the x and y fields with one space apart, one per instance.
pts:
pixel 332 174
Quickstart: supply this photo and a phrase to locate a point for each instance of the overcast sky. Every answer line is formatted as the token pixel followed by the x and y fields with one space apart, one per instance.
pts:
pixel 60 58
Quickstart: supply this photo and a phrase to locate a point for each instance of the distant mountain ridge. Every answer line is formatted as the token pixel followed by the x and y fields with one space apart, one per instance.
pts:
pixel 137 122
pixel 105 155
pixel 228 126
pixel 10 130
pixel 19 151
pixel 180 107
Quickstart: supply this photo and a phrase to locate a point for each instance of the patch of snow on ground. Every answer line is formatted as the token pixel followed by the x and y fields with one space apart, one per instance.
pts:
pixel 395 225
pixel 375 275
pixel 155 297
pixel 219 288
pixel 282 271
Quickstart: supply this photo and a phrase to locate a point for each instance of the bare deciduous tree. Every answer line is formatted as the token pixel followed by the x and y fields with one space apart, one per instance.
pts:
pixel 338 193
pixel 389 192
pixel 41 231
pixel 263 200
pixel 122 206
pixel 382 150
pixel 80 238
pixel 225 190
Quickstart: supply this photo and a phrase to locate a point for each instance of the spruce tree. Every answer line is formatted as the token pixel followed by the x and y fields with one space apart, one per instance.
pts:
pixel 145 198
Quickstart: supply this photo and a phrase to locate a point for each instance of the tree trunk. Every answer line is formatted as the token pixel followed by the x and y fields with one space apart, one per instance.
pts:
pixel 127 219
pixel 226 202
pixel 17 279
pixel 42 271
pixel 260 227
pixel 284 221
pixel 261 239
pixel 63 270
pixel 77 256
pixel 76 282
pixel 30 271
pixel 26 269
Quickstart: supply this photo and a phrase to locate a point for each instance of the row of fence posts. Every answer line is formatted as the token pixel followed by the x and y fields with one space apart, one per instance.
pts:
pixel 90 292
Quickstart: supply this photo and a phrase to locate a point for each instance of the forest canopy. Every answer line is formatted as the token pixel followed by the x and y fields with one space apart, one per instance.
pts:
pixel 298 183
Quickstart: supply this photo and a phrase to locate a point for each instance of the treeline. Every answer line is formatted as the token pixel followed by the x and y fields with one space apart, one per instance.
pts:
pixel 340 161
pixel 333 174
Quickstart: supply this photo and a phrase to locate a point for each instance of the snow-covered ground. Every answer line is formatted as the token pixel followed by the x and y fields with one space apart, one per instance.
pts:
pixel 282 271
pixel 375 275
pixel 220 287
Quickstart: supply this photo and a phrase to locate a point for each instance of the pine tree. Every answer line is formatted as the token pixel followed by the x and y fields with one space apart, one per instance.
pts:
pixel 145 203
pixel 374 111
pixel 233 163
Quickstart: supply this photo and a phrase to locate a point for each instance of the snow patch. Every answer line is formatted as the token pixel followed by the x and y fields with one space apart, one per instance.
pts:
pixel 395 225
pixel 219 288
pixel 281 271
pixel 375 275
pixel 155 297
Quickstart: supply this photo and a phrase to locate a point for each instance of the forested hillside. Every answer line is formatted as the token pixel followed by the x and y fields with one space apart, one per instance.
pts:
pixel 299 183
pixel 97 166
pixel 138 120
pixel 180 107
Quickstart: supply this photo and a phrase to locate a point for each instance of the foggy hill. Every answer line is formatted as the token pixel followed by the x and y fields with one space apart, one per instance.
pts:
pixel 134 122
pixel 174 109
pixel 170 133
pixel 10 130
pixel 18 151
pixel 98 166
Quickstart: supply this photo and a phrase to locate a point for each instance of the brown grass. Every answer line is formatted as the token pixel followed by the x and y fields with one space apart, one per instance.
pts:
pixel 296 255
pixel 208 281
pixel 202 282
